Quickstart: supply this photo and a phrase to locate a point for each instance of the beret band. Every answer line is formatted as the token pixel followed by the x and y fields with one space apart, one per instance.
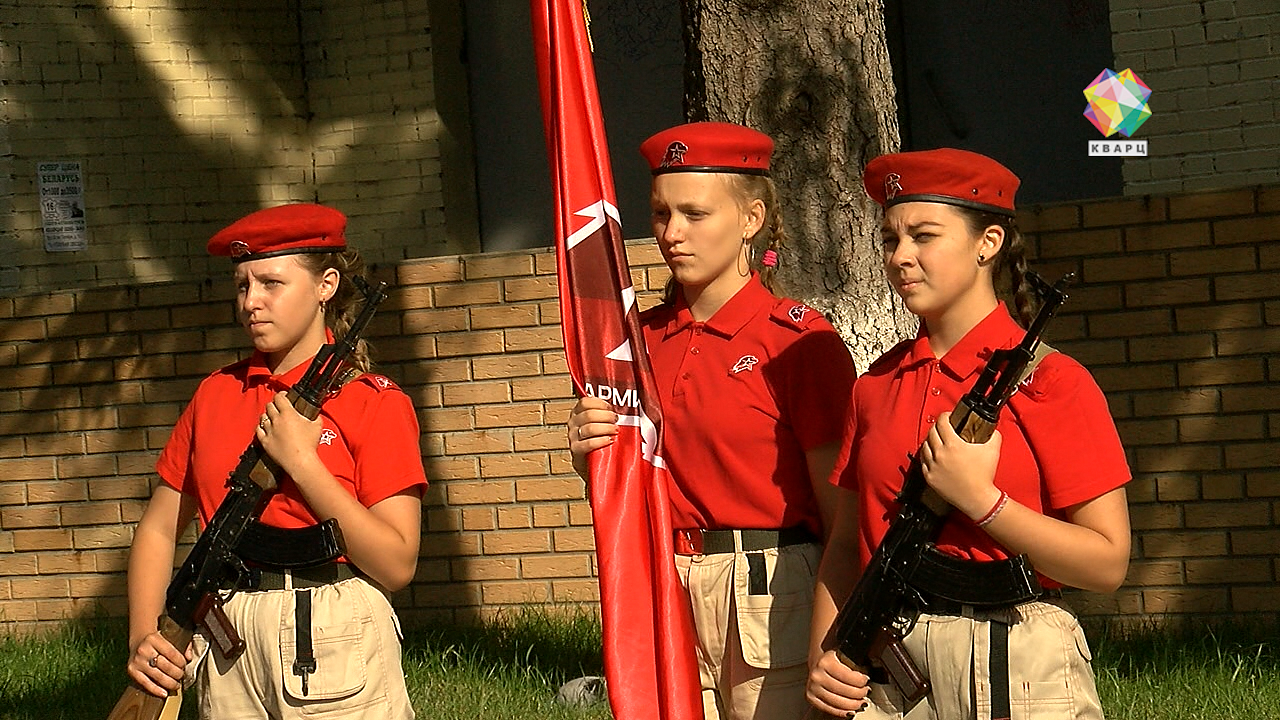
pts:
pixel 712 169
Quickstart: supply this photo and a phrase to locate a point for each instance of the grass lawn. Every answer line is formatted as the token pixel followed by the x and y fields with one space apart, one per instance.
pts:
pixel 1197 672
pixel 511 668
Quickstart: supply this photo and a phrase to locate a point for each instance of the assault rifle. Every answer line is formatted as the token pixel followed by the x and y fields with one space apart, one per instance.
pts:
pixel 907 569
pixel 196 594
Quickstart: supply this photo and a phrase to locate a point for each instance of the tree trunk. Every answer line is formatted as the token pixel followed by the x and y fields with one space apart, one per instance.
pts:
pixel 816 77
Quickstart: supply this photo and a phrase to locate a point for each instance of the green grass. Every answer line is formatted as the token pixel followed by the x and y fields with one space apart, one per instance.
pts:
pixel 1196 671
pixel 69 674
pixel 511 667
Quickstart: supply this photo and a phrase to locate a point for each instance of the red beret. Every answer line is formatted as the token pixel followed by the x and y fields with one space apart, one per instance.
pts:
pixel 708 147
pixel 281 230
pixel 945 175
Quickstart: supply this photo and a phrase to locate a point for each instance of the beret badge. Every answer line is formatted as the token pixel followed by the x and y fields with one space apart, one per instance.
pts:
pixel 892 185
pixel 239 248
pixel 674 154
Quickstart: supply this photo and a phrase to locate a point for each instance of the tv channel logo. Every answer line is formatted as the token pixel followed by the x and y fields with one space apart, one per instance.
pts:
pixel 1117 104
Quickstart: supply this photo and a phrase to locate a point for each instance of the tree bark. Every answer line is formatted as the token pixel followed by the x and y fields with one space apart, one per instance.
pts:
pixel 815 76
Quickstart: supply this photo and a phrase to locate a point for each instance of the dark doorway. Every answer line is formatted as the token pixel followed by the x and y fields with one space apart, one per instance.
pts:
pixel 1006 78
pixel 639 64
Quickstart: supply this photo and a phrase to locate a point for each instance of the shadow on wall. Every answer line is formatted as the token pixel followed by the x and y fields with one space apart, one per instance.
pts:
pixel 188 118
pixel 1175 319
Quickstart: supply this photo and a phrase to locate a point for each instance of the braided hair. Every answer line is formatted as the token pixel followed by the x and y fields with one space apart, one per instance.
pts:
pixel 341 309
pixel 1012 256
pixel 772 236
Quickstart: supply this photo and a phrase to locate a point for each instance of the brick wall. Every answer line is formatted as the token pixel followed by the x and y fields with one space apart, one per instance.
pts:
pixel 93 380
pixel 1178 316
pixel 1214 71
pixel 184 114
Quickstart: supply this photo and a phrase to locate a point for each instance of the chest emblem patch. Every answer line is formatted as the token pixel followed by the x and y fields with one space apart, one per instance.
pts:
pixel 797 313
pixel 746 362
pixel 327 437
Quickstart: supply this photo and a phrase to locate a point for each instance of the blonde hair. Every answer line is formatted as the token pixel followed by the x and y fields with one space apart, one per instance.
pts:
pixel 772 235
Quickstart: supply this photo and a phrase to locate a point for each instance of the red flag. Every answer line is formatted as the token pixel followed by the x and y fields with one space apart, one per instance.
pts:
pixel 648 628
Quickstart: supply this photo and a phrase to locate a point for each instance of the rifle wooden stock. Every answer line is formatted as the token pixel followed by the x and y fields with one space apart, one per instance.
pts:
pixel 138 704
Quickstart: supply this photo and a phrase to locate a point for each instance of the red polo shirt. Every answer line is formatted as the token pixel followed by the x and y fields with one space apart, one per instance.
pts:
pixel 744 395
pixel 369 441
pixel 1060 446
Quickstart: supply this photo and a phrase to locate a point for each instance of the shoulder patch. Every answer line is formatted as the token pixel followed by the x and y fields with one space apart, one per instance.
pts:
pixel 793 314
pixel 378 382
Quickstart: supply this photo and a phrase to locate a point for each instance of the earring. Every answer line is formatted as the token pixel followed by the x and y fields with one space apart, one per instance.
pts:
pixel 982 258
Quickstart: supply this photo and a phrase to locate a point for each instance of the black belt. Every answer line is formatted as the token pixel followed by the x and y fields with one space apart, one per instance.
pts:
pixel 942 606
pixel 697 541
pixel 327 574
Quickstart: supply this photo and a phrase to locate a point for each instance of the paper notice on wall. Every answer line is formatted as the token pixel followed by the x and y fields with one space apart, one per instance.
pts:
pixel 62 205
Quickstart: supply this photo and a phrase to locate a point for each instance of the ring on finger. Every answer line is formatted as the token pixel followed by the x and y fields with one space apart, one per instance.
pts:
pixel 152 661
pixel 580 435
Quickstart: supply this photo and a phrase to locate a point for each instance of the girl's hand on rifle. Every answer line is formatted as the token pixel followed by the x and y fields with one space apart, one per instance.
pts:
pixel 592 425
pixel 963 473
pixel 157 666
pixel 835 688
pixel 288 437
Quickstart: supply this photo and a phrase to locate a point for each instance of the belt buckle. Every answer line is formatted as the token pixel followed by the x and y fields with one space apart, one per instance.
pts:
pixel 689 542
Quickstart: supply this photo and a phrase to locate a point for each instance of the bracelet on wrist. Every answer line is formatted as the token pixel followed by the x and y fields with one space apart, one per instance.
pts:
pixel 985 520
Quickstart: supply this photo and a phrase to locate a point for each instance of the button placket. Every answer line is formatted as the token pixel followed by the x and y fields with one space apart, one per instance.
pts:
pixel 691 351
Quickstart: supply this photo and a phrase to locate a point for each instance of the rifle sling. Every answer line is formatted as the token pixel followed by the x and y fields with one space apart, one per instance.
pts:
pixel 998 669
pixel 304 662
